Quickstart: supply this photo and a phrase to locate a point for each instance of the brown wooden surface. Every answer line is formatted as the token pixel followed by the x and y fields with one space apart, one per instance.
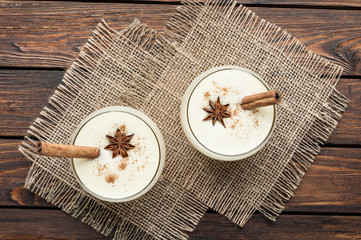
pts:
pixel 297 3
pixel 325 3
pixel 50 224
pixel 33 36
pixel 295 226
pixel 39 38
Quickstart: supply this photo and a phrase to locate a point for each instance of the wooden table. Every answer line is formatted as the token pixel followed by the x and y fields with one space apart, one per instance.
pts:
pixel 41 39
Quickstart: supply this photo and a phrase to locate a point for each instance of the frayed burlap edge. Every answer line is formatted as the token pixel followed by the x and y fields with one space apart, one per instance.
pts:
pixel 180 26
pixel 59 192
pixel 308 149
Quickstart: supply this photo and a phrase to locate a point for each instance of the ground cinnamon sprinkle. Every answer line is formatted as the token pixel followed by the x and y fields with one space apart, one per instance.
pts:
pixel 256 124
pixel 101 168
pixel 207 95
pixel 111 177
pixel 123 128
pixel 137 148
pixel 122 165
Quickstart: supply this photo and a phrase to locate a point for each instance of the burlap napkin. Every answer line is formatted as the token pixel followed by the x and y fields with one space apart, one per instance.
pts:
pixel 201 36
pixel 103 72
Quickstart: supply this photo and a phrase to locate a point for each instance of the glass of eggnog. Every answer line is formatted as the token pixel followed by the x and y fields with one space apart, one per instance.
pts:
pixel 214 120
pixel 132 154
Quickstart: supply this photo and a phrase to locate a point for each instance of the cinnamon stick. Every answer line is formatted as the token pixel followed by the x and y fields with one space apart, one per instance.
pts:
pixel 262 99
pixel 67 151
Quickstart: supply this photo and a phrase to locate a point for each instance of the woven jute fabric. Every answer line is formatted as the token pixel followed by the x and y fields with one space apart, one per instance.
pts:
pixel 150 72
pixel 102 73
pixel 215 33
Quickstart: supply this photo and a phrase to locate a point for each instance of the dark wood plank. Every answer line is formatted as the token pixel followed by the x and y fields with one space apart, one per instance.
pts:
pixel 330 186
pixel 43 224
pixel 348 130
pixel 53 37
pixel 55 224
pixel 271 3
pixel 295 227
pixel 331 183
pixel 308 3
pixel 13 171
pixel 23 93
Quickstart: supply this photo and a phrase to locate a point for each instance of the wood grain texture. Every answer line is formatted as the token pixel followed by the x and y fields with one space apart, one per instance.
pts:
pixel 308 3
pixel 348 130
pixel 295 227
pixel 50 34
pixel 23 94
pixel 268 3
pixel 13 171
pixel 55 224
pixel 329 33
pixel 33 36
pixel 330 186
pixel 43 224
pixel 299 3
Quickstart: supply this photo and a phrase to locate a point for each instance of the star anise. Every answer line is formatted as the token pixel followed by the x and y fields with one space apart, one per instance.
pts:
pixel 119 144
pixel 217 112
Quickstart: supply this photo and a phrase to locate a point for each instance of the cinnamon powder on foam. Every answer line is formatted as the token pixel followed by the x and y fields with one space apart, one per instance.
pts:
pixel 111 177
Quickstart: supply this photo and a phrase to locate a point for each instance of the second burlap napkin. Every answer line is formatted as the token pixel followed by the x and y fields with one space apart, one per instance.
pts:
pixel 205 35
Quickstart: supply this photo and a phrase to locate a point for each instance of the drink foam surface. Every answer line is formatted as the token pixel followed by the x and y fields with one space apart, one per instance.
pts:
pixel 117 177
pixel 245 129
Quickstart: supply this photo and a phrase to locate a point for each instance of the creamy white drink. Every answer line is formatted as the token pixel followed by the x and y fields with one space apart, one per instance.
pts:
pixel 245 131
pixel 119 177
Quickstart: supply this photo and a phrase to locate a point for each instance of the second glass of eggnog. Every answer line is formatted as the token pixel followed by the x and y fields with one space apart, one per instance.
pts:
pixel 244 132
